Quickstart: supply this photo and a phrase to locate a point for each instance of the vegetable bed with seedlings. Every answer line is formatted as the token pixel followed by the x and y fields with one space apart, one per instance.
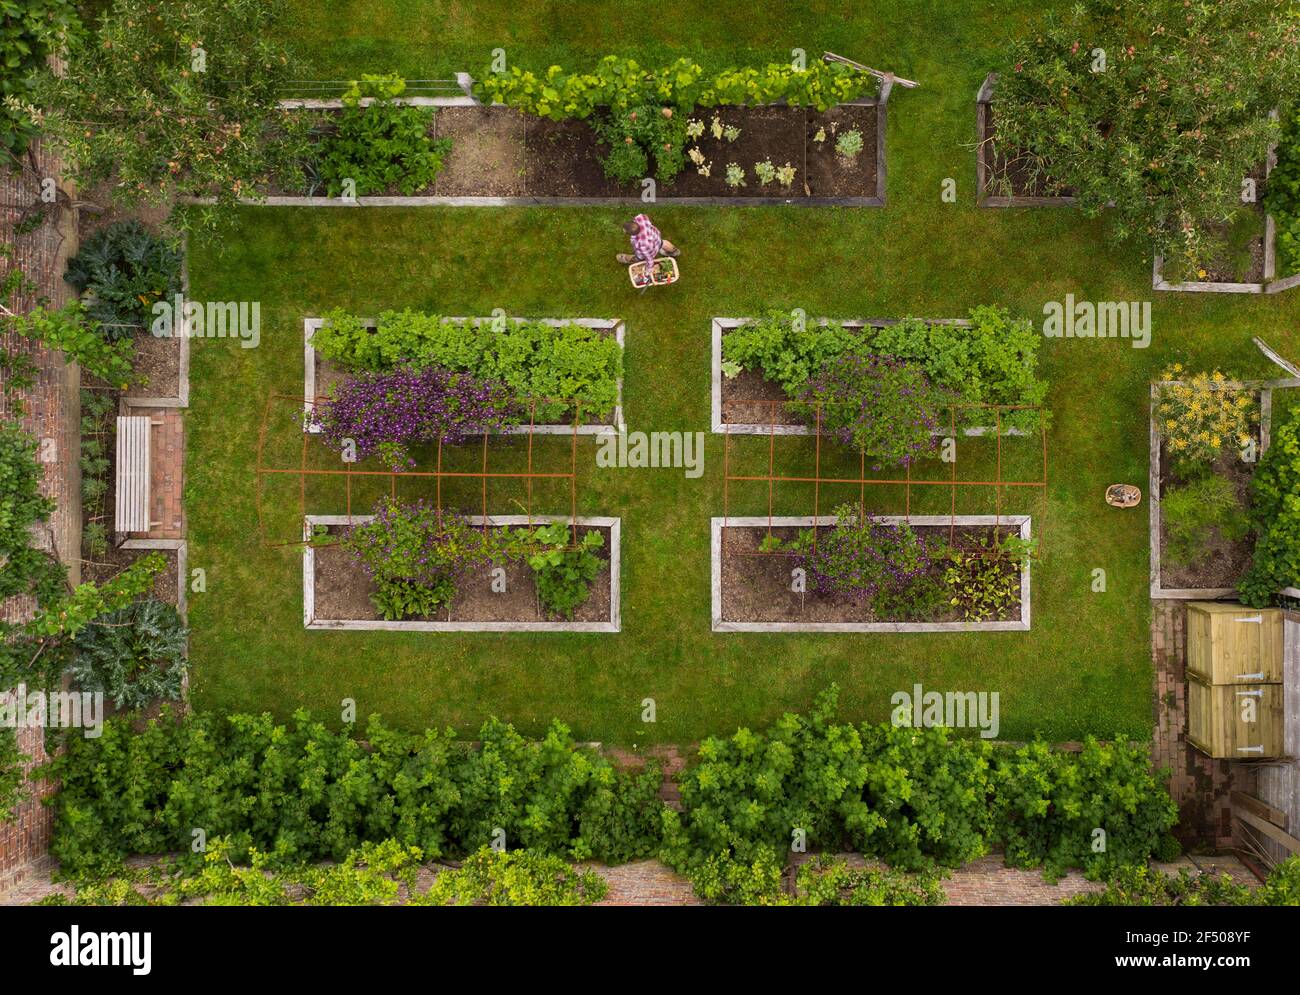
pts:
pixel 761 367
pixel 768 153
pixel 777 135
pixel 881 574
pixel 546 359
pixel 524 575
pixel 1205 446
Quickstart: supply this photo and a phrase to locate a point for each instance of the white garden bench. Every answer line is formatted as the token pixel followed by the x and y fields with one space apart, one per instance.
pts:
pixel 131 500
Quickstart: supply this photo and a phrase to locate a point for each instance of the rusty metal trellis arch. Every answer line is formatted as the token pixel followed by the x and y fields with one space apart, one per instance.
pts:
pixel 772 478
pixel 437 475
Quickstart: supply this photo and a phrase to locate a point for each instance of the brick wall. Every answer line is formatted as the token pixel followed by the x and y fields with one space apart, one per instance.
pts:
pixel 51 411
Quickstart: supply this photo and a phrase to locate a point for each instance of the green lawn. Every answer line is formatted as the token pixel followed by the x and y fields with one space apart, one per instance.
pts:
pixel 1085 666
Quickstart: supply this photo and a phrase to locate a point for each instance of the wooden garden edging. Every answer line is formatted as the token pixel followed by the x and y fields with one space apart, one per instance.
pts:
pixel 1022 522
pixel 720 427
pixel 1269 284
pixel 466 99
pixel 612 624
pixel 310 397
pixel 1265 388
pixel 435 200
pixel 984 158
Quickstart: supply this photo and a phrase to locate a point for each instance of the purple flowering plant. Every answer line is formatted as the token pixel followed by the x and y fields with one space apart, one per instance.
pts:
pixel 879 405
pixel 884 564
pixel 386 413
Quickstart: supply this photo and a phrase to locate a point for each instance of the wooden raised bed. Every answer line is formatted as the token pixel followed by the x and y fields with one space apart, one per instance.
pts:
pixel 337 589
pixel 742 405
pixel 987 162
pixel 1218 575
pixel 751 590
pixel 501 157
pixel 319 375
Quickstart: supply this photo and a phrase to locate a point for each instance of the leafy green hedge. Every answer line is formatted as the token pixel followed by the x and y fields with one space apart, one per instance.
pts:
pixel 559 366
pixel 1148 886
pixel 995 361
pixel 1275 513
pixel 914 798
pixel 306 793
pixel 30 31
pixel 619 84
pixel 1282 199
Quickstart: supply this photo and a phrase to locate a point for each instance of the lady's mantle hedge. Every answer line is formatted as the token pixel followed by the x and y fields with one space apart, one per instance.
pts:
pixel 558 366
pixel 301 792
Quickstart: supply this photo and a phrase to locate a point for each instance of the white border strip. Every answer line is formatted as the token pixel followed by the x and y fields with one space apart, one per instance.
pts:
pixel 722 325
pixel 719 625
pixel 310 325
pixel 614 624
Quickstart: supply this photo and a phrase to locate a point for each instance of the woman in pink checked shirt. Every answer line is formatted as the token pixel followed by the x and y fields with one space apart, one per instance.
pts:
pixel 647 243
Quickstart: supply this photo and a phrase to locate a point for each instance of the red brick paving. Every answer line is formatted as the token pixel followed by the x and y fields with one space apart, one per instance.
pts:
pixel 166 473
pixel 1197 783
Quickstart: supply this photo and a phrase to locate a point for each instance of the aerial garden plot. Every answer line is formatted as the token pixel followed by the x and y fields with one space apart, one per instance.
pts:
pixel 654 457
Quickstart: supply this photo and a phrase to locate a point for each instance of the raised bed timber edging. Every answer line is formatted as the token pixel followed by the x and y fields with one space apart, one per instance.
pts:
pixel 615 613
pixel 1153 492
pixel 181 548
pixel 182 398
pixel 984 162
pixel 804 521
pixel 723 325
pixel 1268 285
pixel 310 325
pixel 878 200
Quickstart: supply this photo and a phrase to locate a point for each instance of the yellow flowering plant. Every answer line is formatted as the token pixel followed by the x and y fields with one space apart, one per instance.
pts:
pixel 1199 415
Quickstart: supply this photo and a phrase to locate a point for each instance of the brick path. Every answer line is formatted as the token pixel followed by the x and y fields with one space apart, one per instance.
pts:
pixel 1197 783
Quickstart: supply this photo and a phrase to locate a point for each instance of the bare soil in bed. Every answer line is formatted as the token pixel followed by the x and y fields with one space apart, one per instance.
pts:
pixel 157 364
pixel 104 568
pixel 829 174
pixel 343 590
pixel 487 152
pixel 756 585
pixel 1023 183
